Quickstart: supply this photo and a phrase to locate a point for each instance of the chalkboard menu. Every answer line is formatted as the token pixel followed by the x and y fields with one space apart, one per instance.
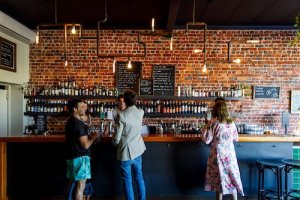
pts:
pixel 41 123
pixel 146 87
pixel 7 55
pixel 266 92
pixel 163 80
pixel 128 78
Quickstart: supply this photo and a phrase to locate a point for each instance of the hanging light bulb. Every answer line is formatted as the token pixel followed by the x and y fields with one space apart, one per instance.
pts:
pixel 129 65
pixel 196 50
pixel 171 43
pixel 152 24
pixel 237 61
pixel 37 37
pixel 66 63
pixel 114 65
pixel 73 31
pixel 204 68
pixel 253 41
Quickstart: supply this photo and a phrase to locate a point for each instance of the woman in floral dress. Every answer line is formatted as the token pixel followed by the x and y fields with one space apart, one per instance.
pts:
pixel 222 175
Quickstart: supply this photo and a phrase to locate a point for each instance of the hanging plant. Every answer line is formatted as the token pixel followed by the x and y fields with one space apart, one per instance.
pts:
pixel 297 25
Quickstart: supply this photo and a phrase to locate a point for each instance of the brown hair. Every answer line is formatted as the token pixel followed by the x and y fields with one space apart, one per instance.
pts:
pixel 220 111
pixel 129 97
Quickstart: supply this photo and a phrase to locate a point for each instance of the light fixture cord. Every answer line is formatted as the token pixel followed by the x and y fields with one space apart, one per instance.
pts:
pixel 105 12
pixel 194 8
pixel 55 11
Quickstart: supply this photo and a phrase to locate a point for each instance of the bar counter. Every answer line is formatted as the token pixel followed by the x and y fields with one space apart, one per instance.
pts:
pixel 156 138
pixel 174 165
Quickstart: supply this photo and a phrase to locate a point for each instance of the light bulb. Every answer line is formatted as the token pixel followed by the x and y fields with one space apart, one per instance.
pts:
pixel 171 43
pixel 196 50
pixel 37 38
pixel 114 66
pixel 237 61
pixel 204 68
pixel 129 66
pixel 73 31
pixel 253 41
pixel 66 63
pixel 152 24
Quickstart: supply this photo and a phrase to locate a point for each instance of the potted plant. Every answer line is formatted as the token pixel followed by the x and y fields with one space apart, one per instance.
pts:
pixel 297 25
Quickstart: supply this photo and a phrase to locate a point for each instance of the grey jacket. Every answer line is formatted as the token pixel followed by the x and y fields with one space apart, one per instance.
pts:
pixel 128 139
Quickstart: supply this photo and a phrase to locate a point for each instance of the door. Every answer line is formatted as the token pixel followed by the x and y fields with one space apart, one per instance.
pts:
pixel 4 113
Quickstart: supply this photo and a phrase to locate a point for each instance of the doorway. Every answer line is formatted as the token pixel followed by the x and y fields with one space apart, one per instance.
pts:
pixel 4 112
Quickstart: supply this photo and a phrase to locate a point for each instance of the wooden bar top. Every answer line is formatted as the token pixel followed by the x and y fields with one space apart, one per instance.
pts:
pixel 156 138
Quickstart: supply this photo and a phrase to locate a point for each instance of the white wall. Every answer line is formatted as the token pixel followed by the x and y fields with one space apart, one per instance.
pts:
pixel 22 63
pixel 17 33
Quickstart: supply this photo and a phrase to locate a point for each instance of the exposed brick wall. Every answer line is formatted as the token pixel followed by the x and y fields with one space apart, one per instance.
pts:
pixel 272 62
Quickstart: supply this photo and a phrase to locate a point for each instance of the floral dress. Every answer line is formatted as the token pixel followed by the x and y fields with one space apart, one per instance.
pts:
pixel 222 174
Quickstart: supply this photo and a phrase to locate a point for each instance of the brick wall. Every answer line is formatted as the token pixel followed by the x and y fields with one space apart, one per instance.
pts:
pixel 272 62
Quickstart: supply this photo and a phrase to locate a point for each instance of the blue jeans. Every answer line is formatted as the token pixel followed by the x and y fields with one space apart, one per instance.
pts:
pixel 134 166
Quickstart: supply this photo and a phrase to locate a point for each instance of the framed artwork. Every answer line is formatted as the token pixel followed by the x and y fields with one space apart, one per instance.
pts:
pixel 295 101
pixel 8 55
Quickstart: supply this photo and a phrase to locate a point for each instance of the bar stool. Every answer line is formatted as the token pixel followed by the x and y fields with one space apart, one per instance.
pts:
pixel 276 166
pixel 289 165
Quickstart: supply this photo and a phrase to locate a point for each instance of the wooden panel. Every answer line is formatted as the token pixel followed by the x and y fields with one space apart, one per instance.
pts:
pixel 3 172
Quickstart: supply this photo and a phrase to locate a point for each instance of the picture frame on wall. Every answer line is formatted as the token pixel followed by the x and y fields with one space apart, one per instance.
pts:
pixel 8 55
pixel 295 101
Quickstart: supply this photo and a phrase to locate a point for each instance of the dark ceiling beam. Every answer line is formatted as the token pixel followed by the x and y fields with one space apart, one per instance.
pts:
pixel 173 10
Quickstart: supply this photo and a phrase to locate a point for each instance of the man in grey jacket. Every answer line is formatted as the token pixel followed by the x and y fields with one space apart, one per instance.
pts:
pixel 131 146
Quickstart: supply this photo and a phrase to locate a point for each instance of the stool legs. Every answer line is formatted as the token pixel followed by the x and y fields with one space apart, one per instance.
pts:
pixel 285 183
pixel 279 183
pixel 261 183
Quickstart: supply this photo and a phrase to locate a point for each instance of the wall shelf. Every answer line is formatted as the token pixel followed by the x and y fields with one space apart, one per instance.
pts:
pixel 181 98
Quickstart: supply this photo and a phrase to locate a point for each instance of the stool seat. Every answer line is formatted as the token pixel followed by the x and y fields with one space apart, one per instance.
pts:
pixel 289 165
pixel 276 166
pixel 271 163
pixel 295 163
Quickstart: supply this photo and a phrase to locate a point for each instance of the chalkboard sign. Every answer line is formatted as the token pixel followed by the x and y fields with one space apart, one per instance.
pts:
pixel 41 123
pixel 146 87
pixel 128 78
pixel 266 92
pixel 163 80
pixel 7 55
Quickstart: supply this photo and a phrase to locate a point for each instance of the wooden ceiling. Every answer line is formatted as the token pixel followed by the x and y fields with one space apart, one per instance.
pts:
pixel 168 14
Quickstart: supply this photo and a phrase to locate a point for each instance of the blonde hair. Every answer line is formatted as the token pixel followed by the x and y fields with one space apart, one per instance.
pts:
pixel 220 111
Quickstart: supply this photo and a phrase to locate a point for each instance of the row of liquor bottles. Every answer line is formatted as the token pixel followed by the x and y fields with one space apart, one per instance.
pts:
pixel 149 106
pixel 234 90
pixel 71 89
pixel 176 127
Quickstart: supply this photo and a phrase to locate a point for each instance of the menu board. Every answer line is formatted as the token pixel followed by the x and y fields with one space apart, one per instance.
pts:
pixel 146 87
pixel 295 101
pixel 266 92
pixel 163 80
pixel 41 123
pixel 7 55
pixel 128 78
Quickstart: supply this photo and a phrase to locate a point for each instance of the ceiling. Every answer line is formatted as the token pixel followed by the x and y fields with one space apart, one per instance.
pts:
pixel 168 14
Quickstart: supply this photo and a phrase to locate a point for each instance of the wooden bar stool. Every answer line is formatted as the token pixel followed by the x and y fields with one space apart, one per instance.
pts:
pixel 289 165
pixel 276 166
